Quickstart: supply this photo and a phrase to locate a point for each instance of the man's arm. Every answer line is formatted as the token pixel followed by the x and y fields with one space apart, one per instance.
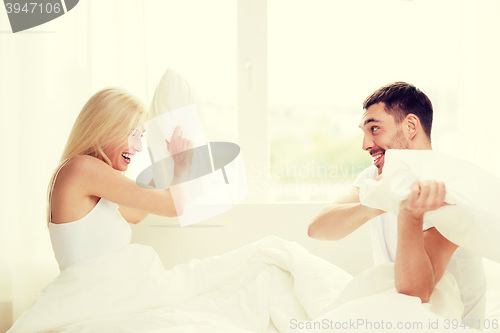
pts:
pixel 421 257
pixel 340 218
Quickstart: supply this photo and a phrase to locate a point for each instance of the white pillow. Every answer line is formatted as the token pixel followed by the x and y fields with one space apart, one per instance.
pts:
pixel 473 220
pixel 172 93
pixel 174 104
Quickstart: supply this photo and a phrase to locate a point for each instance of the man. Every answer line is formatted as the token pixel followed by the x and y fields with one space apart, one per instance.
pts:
pixel 399 116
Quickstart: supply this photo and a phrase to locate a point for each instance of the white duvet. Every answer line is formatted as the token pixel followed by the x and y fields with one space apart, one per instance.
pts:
pixel 267 286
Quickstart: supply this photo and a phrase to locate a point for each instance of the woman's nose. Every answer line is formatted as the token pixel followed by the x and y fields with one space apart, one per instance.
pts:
pixel 136 144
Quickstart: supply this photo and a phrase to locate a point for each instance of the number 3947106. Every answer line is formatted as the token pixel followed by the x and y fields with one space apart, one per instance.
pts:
pixel 33 7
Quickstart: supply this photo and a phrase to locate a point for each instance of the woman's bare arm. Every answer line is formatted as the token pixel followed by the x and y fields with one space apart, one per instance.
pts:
pixel 132 215
pixel 93 177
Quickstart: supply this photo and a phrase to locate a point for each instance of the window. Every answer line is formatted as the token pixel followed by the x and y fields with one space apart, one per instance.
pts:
pixel 324 58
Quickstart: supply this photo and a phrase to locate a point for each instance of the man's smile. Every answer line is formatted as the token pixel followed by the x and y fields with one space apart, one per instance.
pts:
pixel 377 157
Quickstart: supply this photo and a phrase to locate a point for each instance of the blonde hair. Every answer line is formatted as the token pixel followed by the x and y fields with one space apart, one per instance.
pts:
pixel 107 118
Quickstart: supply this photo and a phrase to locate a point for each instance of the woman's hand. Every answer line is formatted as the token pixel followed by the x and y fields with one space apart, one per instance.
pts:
pixel 425 196
pixel 180 148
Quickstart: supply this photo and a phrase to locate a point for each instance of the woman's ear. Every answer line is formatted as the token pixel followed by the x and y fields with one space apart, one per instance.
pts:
pixel 412 123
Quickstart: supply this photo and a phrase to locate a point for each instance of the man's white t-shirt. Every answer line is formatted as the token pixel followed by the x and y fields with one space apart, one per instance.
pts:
pixel 466 267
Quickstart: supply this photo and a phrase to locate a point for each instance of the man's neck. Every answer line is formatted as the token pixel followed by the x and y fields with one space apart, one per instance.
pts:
pixel 421 144
pixel 422 147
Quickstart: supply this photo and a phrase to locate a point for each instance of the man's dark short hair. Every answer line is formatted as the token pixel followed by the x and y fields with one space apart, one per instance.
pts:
pixel 401 99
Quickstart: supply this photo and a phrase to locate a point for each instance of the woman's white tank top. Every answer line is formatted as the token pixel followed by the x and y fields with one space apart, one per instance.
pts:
pixel 102 231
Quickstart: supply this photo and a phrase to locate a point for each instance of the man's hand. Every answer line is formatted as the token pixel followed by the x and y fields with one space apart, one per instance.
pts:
pixel 421 257
pixel 425 196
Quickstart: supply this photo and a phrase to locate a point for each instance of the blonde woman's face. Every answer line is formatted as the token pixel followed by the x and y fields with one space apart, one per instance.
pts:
pixel 122 154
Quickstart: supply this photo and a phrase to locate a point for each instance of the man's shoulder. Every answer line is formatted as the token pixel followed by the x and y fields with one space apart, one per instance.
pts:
pixel 370 172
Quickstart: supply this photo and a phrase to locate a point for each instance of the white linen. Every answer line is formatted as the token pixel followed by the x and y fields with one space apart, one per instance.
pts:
pixel 493 311
pixel 259 287
pixel 473 219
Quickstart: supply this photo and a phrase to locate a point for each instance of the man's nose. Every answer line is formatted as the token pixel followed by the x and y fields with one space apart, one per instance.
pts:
pixel 367 143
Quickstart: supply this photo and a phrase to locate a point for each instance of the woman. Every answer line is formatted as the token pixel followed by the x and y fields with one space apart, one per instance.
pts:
pixel 89 202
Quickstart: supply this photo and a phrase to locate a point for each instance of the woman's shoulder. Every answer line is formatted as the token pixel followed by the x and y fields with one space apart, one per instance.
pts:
pixel 70 196
pixel 81 167
pixel 82 163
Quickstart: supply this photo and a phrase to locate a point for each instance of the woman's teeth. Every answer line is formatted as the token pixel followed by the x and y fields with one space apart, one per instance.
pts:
pixel 126 156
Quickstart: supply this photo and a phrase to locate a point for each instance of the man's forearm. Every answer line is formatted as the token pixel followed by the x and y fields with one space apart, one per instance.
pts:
pixel 336 221
pixel 413 273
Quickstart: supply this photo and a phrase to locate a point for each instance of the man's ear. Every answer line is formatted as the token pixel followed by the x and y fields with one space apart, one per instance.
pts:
pixel 411 123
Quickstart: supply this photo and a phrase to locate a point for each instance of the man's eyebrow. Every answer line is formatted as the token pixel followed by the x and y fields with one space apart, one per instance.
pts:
pixel 370 120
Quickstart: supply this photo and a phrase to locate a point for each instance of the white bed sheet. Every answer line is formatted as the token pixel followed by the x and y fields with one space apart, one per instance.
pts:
pixel 492 270
pixel 266 286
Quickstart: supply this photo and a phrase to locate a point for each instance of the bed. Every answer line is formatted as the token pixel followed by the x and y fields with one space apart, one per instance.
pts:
pixel 268 284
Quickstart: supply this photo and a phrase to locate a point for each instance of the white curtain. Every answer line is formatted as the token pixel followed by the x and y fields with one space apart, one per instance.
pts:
pixel 46 75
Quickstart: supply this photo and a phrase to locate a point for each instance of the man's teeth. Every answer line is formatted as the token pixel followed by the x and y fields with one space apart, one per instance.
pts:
pixel 377 156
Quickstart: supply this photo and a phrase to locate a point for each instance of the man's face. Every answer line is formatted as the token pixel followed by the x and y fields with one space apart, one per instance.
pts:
pixel 381 133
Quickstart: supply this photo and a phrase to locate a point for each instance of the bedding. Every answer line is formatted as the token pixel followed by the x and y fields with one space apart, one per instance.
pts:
pixel 272 285
pixel 492 270
pixel 493 310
